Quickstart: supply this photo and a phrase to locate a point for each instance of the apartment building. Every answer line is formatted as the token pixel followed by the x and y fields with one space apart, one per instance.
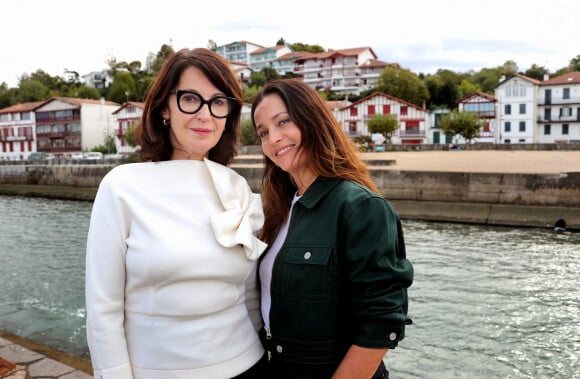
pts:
pixel 346 71
pixel 413 120
pixel 265 56
pixel 558 116
pixel 238 51
pixel 17 131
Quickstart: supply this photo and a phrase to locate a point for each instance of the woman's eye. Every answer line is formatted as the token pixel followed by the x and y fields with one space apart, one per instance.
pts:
pixel 190 98
pixel 262 134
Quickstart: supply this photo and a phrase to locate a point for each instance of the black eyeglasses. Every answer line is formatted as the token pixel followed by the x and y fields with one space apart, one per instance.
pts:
pixel 190 102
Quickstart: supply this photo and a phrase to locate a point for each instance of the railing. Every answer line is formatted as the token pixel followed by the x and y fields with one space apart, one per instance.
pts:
pixel 411 133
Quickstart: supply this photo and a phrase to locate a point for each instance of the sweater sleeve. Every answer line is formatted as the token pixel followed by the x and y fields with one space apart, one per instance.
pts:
pixel 378 274
pixel 105 284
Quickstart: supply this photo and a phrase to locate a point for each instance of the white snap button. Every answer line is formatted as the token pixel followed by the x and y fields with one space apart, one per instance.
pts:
pixel 279 349
pixel 307 255
pixel 393 336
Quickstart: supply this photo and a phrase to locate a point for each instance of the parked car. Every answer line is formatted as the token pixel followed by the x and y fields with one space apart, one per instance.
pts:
pixel 37 156
pixel 77 156
pixel 93 155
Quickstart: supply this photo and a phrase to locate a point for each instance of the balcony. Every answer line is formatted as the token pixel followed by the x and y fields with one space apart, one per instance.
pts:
pixel 557 119
pixel 411 133
pixel 555 102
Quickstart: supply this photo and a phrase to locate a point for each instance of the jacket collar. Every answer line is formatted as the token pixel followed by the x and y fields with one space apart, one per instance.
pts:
pixel 317 191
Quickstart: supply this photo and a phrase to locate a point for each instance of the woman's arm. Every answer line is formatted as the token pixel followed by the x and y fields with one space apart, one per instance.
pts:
pixel 105 285
pixel 359 363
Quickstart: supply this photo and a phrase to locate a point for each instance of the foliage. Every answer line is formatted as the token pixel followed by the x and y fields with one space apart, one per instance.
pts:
pixel 536 72
pixel 403 84
pixel 122 86
pixel 575 63
pixel 32 90
pixel 108 147
pixel 247 134
pixel 129 135
pixel 466 88
pixel 385 124
pixel 464 124
pixel 249 93
pixel 299 46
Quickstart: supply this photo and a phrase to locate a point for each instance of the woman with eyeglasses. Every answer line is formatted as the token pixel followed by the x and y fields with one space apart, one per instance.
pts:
pixel 172 247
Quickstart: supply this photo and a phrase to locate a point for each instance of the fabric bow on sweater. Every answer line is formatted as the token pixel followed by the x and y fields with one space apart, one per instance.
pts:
pixel 243 215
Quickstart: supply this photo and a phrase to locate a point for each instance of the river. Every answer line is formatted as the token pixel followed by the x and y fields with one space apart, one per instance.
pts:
pixel 487 302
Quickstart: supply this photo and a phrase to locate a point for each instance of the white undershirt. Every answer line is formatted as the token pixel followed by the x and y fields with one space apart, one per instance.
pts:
pixel 267 265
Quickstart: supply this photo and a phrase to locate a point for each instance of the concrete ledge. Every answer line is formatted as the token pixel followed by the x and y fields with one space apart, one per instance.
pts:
pixel 490 214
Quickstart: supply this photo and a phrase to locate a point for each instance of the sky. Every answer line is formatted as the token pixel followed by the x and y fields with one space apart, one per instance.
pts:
pixel 420 35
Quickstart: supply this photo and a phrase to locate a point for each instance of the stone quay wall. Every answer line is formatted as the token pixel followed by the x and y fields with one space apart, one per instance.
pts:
pixel 530 200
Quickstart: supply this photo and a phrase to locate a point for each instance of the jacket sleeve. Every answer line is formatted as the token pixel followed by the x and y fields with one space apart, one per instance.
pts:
pixel 377 273
pixel 105 284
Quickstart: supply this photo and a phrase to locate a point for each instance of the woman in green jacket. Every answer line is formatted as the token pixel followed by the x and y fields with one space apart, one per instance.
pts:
pixel 334 279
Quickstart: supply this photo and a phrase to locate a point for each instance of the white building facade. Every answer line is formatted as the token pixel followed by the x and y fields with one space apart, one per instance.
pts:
pixel 559 109
pixel 413 120
pixel 17 131
pixel 127 116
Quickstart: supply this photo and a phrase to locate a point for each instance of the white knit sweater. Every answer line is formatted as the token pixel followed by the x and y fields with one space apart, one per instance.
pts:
pixel 171 260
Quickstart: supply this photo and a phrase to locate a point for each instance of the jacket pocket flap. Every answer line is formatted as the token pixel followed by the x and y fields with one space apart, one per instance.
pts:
pixel 309 256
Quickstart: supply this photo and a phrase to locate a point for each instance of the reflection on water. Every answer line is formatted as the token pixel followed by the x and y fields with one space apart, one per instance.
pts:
pixel 487 302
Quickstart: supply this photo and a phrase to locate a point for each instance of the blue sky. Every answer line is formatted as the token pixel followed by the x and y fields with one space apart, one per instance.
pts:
pixel 420 35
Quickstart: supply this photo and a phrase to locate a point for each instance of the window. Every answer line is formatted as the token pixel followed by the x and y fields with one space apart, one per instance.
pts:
pixel 507 141
pixel 521 140
pixel 507 126
pixel 387 109
pixel 565 128
pixel 371 110
pixel 25 116
pixel 522 126
pixel 548 114
pixel 352 127
pixel 354 111
pixel 522 108
pixel 508 109
pixel 566 93
pixel 565 112
pixel 404 110
pixel 547 129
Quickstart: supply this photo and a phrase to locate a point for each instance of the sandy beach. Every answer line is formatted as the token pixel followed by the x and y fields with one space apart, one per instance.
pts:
pixel 488 161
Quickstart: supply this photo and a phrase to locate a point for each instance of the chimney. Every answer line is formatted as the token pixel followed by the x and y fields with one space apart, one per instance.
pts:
pixel 501 78
pixel 546 77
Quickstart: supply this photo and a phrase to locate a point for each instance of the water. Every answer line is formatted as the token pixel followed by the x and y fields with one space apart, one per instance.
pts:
pixel 487 302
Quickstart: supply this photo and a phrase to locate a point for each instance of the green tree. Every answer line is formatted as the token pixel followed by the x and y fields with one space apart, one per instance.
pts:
pixel 510 67
pixel 122 86
pixel 464 124
pixel 154 62
pixel 299 46
pixel 575 63
pixel 385 124
pixel 487 79
pixel 108 147
pixel 403 84
pixel 129 135
pixel 247 134
pixel 536 72
pixel 466 88
pixel 32 90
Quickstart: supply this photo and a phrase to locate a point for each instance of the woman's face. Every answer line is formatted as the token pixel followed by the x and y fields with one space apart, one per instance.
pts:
pixel 193 135
pixel 280 136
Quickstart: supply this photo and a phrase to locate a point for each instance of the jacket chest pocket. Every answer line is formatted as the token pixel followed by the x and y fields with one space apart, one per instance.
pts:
pixel 308 273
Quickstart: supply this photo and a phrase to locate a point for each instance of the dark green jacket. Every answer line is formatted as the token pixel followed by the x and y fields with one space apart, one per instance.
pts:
pixel 340 278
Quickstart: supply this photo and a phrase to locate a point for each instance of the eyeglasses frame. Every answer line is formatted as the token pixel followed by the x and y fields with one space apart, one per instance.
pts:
pixel 179 93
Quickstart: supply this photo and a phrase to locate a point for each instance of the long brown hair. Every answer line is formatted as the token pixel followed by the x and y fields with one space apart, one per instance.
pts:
pixel 153 137
pixel 329 151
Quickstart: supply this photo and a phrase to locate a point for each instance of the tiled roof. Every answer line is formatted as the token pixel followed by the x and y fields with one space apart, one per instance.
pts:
pixel 23 107
pixel 568 78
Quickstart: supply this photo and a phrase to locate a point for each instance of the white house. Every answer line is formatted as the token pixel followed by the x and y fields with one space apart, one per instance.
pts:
pixel 17 132
pixel 516 99
pixel 126 116
pixel 413 120
pixel 483 105
pixel 69 125
pixel 265 56
pixel 559 109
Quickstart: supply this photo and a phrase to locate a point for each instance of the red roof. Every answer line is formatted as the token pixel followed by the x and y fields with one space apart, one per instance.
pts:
pixel 568 78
